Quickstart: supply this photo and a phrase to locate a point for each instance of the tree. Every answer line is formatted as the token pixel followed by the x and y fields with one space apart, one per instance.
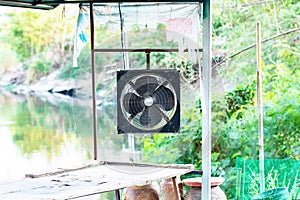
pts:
pixel 30 32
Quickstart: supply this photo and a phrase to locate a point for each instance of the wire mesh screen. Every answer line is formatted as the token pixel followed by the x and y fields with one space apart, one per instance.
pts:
pixel 174 30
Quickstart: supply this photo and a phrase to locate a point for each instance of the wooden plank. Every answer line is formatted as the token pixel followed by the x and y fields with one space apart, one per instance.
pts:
pixel 94 179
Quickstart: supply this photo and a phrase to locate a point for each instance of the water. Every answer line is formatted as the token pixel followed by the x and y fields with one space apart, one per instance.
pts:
pixel 39 133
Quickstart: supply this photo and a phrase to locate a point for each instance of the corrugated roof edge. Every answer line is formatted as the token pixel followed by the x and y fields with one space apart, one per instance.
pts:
pixel 27 4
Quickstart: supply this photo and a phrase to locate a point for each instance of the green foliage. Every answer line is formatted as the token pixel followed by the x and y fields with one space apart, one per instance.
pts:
pixel 70 72
pixel 161 149
pixel 283 113
pixel 39 40
pixel 189 140
pixel 235 28
pixel 39 69
pixel 189 71
pixel 29 32
pixel 241 96
pixel 234 125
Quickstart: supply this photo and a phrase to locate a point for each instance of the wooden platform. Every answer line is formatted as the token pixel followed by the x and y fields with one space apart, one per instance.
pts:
pixel 88 180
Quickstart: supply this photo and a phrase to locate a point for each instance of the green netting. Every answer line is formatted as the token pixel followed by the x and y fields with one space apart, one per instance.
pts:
pixel 278 173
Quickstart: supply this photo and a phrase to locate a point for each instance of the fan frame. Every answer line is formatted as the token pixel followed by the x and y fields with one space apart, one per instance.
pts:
pixel 124 76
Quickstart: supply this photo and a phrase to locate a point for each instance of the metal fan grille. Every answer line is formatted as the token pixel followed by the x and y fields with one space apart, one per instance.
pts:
pixel 158 117
pixel 148 101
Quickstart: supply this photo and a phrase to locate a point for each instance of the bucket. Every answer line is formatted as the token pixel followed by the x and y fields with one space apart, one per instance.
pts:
pixel 274 194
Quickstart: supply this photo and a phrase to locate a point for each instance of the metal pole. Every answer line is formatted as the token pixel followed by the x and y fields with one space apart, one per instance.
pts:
pixel 117 194
pixel 148 60
pixel 143 50
pixel 206 101
pixel 93 79
pixel 260 109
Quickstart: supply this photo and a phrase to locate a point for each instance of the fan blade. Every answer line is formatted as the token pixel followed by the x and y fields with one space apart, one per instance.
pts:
pixel 150 117
pixel 145 85
pixel 133 104
pixel 164 96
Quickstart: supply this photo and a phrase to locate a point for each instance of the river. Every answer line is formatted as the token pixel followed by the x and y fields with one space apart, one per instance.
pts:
pixel 44 132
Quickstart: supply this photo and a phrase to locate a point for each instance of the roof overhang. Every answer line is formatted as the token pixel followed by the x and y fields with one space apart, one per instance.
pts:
pixel 51 4
pixel 35 4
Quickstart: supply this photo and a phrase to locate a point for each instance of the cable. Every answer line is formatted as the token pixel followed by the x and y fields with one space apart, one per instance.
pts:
pixel 254 45
pixel 122 35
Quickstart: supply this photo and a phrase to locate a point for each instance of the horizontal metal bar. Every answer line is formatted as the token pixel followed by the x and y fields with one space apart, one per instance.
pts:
pixel 23 4
pixel 143 50
pixel 141 4
pixel 20 1
pixel 118 1
pixel 48 5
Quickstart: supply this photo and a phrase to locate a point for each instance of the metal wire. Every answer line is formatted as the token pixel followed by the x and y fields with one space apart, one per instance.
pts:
pixel 122 35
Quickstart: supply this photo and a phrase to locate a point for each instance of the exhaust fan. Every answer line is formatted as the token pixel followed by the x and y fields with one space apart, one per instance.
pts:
pixel 148 101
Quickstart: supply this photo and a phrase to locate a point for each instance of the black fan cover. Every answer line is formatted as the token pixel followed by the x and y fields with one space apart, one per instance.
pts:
pixel 148 101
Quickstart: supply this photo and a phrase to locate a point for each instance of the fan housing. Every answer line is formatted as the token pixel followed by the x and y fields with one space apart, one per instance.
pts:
pixel 148 101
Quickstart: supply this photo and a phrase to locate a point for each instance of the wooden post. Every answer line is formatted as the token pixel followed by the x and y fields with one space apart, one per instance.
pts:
pixel 175 186
pixel 260 109
pixel 93 79
pixel 206 101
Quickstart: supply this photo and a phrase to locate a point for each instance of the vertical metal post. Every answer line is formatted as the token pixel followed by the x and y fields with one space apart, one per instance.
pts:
pixel 260 110
pixel 123 39
pixel 206 101
pixel 93 79
pixel 117 194
pixel 148 60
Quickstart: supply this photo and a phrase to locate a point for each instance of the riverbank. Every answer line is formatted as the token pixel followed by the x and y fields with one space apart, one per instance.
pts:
pixel 16 81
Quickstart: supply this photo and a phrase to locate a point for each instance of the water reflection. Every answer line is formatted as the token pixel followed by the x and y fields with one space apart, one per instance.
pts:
pixel 44 132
